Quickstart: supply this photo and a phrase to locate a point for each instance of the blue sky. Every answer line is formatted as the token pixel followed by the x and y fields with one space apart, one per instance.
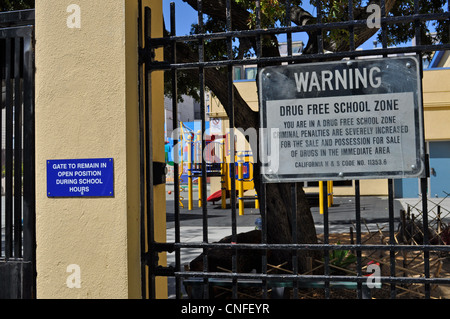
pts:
pixel 185 16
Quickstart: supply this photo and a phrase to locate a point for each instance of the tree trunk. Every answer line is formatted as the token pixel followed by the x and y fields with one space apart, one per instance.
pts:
pixel 279 217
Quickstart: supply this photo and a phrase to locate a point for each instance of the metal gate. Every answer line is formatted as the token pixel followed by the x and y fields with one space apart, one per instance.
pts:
pixel 17 222
pixel 266 280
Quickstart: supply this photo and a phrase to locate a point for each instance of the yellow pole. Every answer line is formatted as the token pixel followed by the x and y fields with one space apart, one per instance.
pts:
pixel 256 201
pixel 190 198
pixel 241 186
pixel 199 179
pixel 223 177
pixel 330 193
pixel 199 160
pixel 181 164
pixel 321 197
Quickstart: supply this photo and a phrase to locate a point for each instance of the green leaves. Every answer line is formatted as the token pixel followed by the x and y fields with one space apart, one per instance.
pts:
pixel 342 258
pixel 273 12
pixel 9 5
pixel 403 32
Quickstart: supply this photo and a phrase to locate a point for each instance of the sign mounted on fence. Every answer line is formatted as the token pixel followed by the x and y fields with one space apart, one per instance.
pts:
pixel 356 119
pixel 80 178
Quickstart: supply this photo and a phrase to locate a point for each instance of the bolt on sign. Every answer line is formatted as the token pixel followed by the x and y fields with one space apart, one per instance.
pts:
pixel 354 119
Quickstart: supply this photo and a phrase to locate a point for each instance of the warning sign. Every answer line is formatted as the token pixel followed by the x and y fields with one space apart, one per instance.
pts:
pixel 342 120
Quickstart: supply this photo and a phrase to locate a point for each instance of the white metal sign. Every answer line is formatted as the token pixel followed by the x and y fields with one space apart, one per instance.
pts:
pixel 356 119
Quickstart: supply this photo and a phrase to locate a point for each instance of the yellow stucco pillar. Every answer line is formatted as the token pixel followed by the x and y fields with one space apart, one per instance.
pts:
pixel 87 108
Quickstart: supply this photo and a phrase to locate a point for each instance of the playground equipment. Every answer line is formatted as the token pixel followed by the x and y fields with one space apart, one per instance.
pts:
pixel 244 179
pixel 214 162
pixel 217 159
pixel 183 130
pixel 218 164
pixel 329 193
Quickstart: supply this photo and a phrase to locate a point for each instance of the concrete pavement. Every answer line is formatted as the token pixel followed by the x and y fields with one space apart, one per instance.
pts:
pixel 374 215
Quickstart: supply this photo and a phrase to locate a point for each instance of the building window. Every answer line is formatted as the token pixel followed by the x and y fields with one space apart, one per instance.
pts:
pixel 250 73
pixel 237 73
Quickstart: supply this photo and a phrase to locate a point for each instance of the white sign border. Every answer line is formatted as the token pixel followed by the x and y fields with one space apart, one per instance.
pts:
pixel 416 172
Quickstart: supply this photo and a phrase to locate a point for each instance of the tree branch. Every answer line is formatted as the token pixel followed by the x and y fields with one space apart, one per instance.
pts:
pixel 362 33
pixel 216 81
pixel 217 10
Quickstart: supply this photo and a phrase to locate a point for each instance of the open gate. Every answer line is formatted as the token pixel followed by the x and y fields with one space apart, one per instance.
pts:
pixel 17 206
pixel 265 280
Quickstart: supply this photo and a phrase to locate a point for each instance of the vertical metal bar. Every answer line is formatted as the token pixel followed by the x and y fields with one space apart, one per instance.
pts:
pixel 202 190
pixel 391 233
pixel 294 236
pixel 230 107
pixel 17 149
pixel 2 106
pixel 9 152
pixel 263 187
pixel 29 233
pixel 288 24
pixel 263 210
pixel 232 150
pixel 320 31
pixel 144 282
pixel 426 253
pixel 258 27
pixel 351 27
pixel 326 240
pixel 293 185
pixel 424 189
pixel 358 235
pixel 149 153
pixel 383 25
pixel 174 76
pixel 417 34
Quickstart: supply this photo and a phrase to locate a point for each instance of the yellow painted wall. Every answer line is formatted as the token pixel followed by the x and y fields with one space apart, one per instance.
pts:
pixel 368 187
pixel 216 108
pixel 249 92
pixel 158 116
pixel 87 107
pixel 247 89
pixel 436 100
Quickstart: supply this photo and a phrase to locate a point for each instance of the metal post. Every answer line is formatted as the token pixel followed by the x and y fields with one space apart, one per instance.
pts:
pixel 330 193
pixel 241 186
pixel 200 178
pixel 321 197
pixel 190 189
pixel 180 172
pixel 223 177
pixel 199 182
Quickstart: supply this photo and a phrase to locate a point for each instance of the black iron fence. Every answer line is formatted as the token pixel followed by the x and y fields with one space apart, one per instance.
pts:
pixel 17 205
pixel 400 264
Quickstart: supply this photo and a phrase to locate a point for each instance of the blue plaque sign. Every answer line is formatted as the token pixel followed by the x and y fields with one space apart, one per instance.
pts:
pixel 80 178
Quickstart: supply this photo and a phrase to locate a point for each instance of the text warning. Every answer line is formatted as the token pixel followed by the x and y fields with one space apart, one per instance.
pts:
pixel 342 120
pixel 80 178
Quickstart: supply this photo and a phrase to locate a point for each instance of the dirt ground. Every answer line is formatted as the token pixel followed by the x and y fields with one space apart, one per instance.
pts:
pixel 407 264
pixel 410 264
